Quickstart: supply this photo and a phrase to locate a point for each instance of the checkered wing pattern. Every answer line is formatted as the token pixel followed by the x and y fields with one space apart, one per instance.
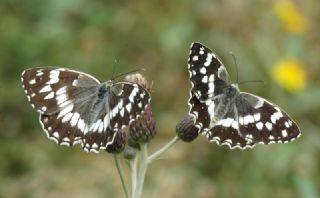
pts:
pixel 228 116
pixel 207 73
pixel 76 108
pixel 209 79
pixel 253 120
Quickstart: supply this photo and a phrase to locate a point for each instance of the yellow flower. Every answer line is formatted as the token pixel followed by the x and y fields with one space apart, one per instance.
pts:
pixel 290 74
pixel 292 19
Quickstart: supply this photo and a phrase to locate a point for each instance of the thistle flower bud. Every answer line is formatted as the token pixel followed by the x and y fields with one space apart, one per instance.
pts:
pixel 118 144
pixel 186 130
pixel 143 129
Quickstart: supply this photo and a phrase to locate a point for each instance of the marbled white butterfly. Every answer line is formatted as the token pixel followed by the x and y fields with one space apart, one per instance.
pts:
pixel 76 108
pixel 226 115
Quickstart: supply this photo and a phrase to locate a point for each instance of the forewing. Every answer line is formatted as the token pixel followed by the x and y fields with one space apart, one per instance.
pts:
pixel 127 102
pixel 52 89
pixel 207 73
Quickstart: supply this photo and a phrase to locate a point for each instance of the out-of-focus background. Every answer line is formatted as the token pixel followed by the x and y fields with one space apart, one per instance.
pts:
pixel 274 41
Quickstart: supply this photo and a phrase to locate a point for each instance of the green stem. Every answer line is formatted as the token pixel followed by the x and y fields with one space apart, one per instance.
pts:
pixel 143 165
pixel 166 147
pixel 133 168
pixel 122 176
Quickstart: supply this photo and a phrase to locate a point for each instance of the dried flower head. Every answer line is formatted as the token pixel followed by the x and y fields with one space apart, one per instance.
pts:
pixel 186 130
pixel 140 80
pixel 118 144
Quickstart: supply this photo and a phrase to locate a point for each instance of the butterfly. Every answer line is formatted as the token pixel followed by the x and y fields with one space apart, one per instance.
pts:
pixel 76 108
pixel 226 115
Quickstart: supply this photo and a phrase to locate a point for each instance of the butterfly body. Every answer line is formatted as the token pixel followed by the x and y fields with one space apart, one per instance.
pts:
pixel 228 116
pixel 76 108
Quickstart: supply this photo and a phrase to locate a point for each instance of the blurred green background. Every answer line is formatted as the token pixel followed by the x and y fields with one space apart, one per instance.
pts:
pixel 274 41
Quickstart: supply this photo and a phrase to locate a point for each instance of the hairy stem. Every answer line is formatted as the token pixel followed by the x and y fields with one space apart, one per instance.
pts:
pixel 143 165
pixel 133 168
pixel 166 147
pixel 122 175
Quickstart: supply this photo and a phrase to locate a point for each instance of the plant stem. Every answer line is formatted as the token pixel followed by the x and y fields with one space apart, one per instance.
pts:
pixel 133 168
pixel 143 165
pixel 121 174
pixel 158 153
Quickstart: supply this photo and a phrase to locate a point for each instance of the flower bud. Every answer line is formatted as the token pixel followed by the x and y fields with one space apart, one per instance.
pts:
pixel 118 144
pixel 186 130
pixel 143 129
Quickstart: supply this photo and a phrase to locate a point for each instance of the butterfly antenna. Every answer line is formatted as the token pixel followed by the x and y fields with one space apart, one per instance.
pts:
pixel 114 68
pixel 251 81
pixel 127 73
pixel 236 66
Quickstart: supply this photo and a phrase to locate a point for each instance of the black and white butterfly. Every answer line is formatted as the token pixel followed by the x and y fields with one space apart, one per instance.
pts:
pixel 226 115
pixel 76 108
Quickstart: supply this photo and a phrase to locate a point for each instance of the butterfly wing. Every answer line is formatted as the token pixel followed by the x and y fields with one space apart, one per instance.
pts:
pixel 209 79
pixel 53 89
pixel 253 120
pixel 207 73
pixel 126 102
pixel 71 112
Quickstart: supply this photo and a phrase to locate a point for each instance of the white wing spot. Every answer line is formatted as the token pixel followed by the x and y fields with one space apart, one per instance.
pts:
pixel 276 116
pixel 257 117
pixel 61 98
pixel 268 125
pixel 203 70
pixel 284 133
pixel 100 127
pixel 81 125
pixel 248 119
pixel 286 124
pixel 129 107
pixel 33 81
pixel 133 94
pixel 43 108
pixel 235 125
pixel 66 117
pixel 39 73
pixel 54 77
pixel 74 119
pixel 75 83
pixel 46 88
pixel 195 58
pixel 208 60
pixel 259 126
pixel 205 79
pixel 61 90
pixel 65 110
pixel 122 112
pixel 49 96
pixel 56 135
